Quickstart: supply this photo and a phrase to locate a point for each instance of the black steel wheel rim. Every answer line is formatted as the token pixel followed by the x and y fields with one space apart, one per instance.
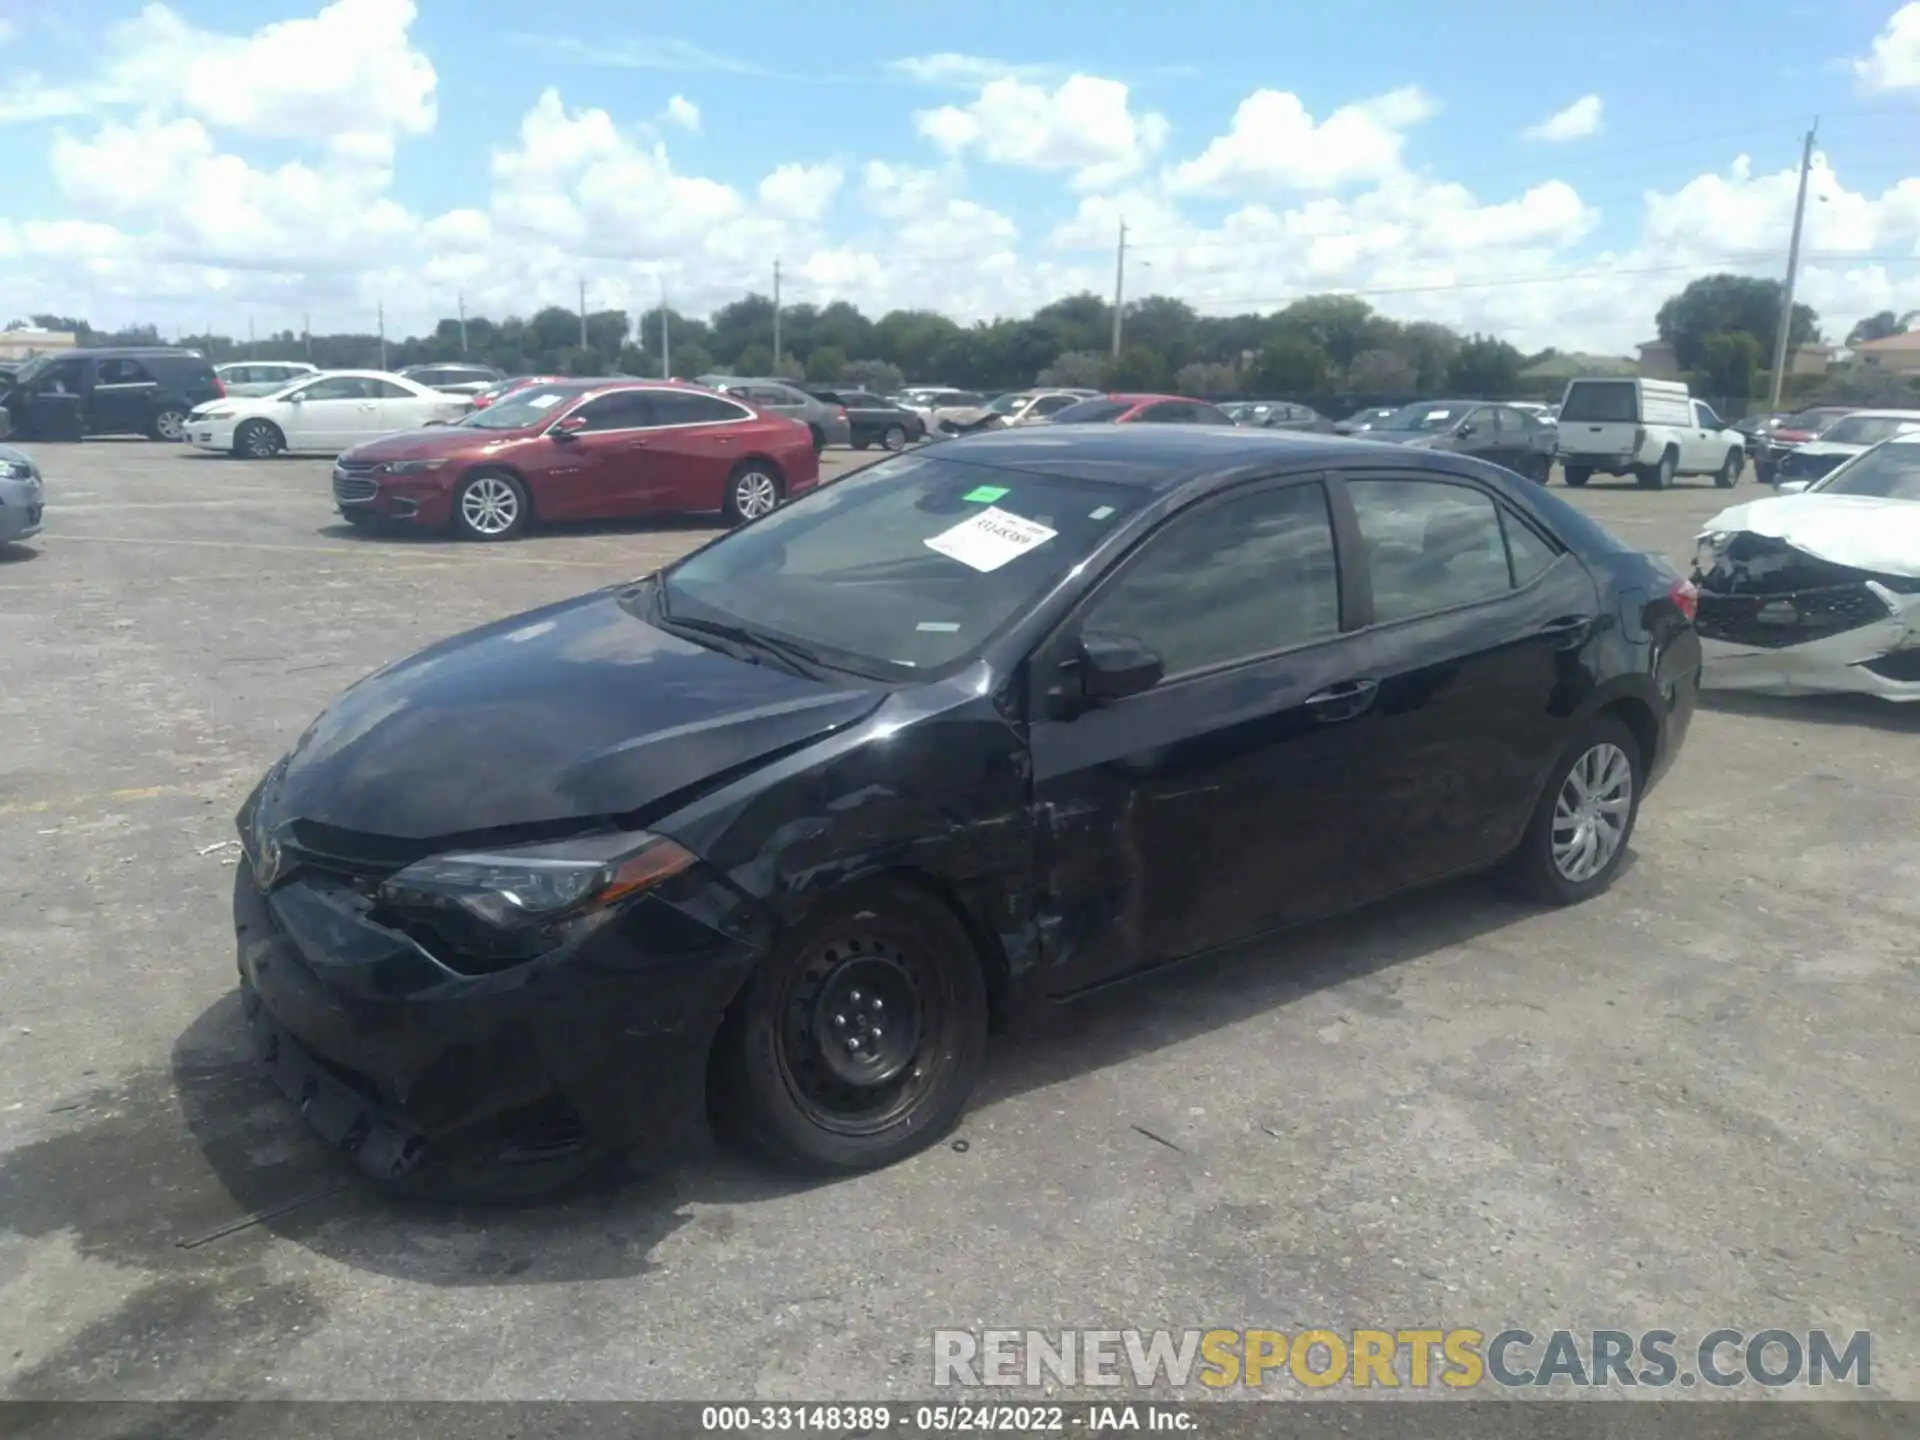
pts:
pixel 858 1033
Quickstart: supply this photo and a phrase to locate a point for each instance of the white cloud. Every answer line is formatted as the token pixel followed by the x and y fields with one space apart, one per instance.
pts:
pixel 350 69
pixel 1273 143
pixel 684 113
pixel 949 68
pixel 1085 126
pixel 1894 62
pixel 7 30
pixel 1576 122
pixel 801 192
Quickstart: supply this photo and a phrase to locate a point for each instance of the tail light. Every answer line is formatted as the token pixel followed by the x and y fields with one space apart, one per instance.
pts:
pixel 219 388
pixel 1686 596
pixel 1639 439
pixel 843 412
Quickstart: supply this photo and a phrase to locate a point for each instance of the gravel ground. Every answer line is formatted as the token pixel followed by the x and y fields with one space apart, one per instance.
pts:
pixel 1689 1104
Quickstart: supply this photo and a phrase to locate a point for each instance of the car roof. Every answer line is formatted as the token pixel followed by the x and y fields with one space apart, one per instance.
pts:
pixel 1143 399
pixel 151 352
pixel 1882 415
pixel 1166 457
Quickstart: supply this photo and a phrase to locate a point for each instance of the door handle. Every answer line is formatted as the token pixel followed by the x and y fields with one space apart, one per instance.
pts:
pixel 1343 701
pixel 1566 633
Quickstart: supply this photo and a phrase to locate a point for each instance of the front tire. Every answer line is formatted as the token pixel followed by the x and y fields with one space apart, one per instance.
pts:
pixel 819 438
pixel 860 1039
pixel 1576 475
pixel 258 440
pixel 1729 474
pixel 491 505
pixel 170 425
pixel 1577 839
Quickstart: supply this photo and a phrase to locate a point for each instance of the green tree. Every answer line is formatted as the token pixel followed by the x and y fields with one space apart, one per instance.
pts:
pixel 1728 305
pixel 1138 368
pixel 1291 364
pixel 1081 369
pixel 754 359
pixel 1382 372
pixel 743 322
pixel 1730 366
pixel 1485 367
pixel 914 340
pixel 1430 348
pixel 1880 327
pixel 1207 379
pixel 876 376
pixel 826 365
pixel 1341 325
pixel 1076 322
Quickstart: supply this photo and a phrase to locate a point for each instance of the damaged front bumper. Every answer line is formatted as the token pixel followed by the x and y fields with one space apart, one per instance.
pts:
pixel 1776 621
pixel 511 1080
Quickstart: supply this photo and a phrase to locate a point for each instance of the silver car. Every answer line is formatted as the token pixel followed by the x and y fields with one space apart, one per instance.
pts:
pixel 261 377
pixel 21 496
pixel 828 423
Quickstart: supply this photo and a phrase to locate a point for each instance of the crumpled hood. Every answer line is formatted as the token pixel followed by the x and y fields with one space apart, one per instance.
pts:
pixel 1861 531
pixel 572 712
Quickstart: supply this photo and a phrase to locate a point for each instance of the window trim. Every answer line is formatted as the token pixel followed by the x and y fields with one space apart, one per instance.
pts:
pixel 1362 565
pixel 581 402
pixel 1046 656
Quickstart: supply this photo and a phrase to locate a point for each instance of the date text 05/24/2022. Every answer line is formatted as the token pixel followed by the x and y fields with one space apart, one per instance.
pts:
pixel 947 1419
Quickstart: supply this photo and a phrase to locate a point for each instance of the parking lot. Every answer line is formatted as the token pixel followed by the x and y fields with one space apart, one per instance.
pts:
pixel 1688 1105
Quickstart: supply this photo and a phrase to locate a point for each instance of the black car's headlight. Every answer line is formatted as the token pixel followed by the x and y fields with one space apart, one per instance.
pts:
pixel 532 887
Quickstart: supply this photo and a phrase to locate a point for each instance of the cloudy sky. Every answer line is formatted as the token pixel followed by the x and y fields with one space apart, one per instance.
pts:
pixel 1544 172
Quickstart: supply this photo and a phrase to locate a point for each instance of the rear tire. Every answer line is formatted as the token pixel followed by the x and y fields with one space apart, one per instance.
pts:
pixel 861 442
pixel 1549 865
pixel 1660 476
pixel 169 424
pixel 819 438
pixel 1576 475
pixel 860 1039
pixel 491 505
pixel 753 490
pixel 258 440
pixel 1729 474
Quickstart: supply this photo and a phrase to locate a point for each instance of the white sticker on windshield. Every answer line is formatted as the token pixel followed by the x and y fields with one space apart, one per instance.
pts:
pixel 543 402
pixel 1436 414
pixel 990 539
pixel 939 627
pixel 1102 513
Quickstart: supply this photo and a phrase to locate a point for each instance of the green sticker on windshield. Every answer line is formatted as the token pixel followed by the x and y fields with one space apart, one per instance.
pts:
pixel 985 494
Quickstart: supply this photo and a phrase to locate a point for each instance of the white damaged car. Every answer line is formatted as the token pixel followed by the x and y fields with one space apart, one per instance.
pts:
pixel 1818 589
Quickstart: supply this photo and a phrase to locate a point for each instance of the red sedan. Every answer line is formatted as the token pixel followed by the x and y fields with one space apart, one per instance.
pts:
pixel 1141 409
pixel 580 450
pixel 507 386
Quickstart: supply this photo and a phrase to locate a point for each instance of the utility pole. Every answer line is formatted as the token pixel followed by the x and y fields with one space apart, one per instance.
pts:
pixel 1119 286
pixel 249 336
pixel 461 301
pixel 583 313
pixel 666 338
pixel 306 333
pixel 383 334
pixel 776 317
pixel 1782 346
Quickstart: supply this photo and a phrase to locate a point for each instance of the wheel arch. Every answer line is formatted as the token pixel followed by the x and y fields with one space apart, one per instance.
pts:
pixel 760 457
pixel 497 467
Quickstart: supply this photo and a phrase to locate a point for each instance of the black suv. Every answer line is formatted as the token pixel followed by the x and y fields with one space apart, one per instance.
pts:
pixel 136 390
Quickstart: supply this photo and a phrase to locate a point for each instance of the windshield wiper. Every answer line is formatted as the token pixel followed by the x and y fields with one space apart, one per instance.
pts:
pixel 793 655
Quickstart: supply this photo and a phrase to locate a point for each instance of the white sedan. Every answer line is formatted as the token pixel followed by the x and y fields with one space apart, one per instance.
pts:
pixel 1818 589
pixel 325 413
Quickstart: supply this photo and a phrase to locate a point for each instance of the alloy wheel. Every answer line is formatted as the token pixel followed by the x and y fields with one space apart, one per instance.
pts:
pixel 1590 813
pixel 490 506
pixel 895 438
pixel 755 494
pixel 171 425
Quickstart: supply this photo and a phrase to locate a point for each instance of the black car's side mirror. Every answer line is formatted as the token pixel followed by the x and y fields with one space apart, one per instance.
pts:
pixel 1111 667
pixel 1465 430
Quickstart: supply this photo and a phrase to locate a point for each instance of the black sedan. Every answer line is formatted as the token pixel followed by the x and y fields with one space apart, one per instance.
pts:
pixel 1499 434
pixel 874 419
pixel 775 834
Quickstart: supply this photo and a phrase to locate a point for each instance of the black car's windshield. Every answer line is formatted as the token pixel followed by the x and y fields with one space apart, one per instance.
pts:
pixel 1866 429
pixel 1423 417
pixel 534 405
pixel 1091 412
pixel 902 569
pixel 1007 404
pixel 1886 472
pixel 32 368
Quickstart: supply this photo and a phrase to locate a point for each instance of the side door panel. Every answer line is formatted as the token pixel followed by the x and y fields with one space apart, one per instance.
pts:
pixel 686 458
pixel 1218 804
pixel 597 473
pixel 1479 679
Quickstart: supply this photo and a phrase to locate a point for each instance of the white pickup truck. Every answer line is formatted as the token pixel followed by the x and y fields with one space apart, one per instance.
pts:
pixel 1652 430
